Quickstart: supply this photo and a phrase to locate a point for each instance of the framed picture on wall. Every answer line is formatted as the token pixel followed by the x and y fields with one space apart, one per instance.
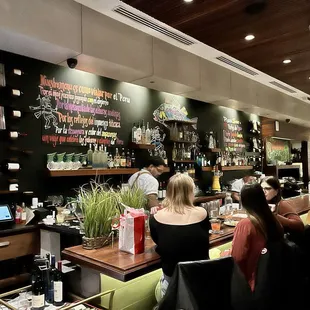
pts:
pixel 277 150
pixel 2 119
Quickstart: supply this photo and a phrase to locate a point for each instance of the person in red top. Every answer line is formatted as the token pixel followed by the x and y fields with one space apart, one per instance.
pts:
pixel 284 210
pixel 252 233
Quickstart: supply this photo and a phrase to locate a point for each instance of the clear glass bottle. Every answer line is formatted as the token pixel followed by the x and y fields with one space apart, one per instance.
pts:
pixel 117 159
pixel 143 133
pixel 228 204
pixel 105 158
pixel 148 134
pixel 90 156
pixel 139 135
pixel 110 160
pixel 174 152
pixel 133 133
pixel 96 157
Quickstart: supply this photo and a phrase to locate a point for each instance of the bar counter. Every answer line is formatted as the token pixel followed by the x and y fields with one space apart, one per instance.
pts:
pixel 124 266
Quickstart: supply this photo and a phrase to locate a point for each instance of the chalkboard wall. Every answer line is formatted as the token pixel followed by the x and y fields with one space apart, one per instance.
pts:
pixel 117 105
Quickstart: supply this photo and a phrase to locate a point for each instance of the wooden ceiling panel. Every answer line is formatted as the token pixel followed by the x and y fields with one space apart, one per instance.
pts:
pixel 281 31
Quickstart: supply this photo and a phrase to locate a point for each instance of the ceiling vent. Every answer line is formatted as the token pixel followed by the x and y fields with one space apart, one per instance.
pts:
pixel 150 24
pixel 283 87
pixel 236 65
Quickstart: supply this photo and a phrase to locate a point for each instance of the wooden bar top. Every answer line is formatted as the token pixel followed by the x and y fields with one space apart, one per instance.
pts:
pixel 124 266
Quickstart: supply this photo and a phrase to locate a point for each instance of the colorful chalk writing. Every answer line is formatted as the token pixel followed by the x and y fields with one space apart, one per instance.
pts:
pixel 233 135
pixel 78 114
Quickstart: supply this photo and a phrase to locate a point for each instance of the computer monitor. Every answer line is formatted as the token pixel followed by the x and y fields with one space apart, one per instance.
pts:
pixel 6 217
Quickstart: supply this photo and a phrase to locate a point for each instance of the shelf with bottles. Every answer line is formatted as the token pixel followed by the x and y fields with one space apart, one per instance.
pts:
pixel 141 146
pixel 228 168
pixel 92 172
pixel 184 161
pixel 236 168
pixel 141 134
pixel 180 122
pixel 215 150
pixel 182 141
pixel 5 192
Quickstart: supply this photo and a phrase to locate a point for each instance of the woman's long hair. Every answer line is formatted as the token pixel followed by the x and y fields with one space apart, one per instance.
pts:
pixel 254 202
pixel 275 184
pixel 179 193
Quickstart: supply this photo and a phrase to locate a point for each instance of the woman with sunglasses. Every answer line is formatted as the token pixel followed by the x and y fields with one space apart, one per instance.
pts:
pixel 283 209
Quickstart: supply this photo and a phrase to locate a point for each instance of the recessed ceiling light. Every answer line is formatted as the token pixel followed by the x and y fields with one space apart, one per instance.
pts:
pixel 249 37
pixel 287 61
pixel 188 1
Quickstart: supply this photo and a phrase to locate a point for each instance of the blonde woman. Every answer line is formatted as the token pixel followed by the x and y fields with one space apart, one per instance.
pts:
pixel 180 230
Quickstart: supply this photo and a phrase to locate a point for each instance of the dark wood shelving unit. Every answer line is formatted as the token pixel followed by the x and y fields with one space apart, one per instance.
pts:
pixel 229 168
pixel 184 161
pixel 92 172
pixel 236 168
pixel 180 121
pixel 95 172
pixel 141 146
pixel 206 169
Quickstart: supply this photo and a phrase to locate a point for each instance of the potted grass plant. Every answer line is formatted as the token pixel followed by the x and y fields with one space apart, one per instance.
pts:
pixel 99 205
pixel 132 197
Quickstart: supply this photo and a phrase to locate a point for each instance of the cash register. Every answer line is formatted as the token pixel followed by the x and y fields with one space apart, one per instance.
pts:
pixel 6 217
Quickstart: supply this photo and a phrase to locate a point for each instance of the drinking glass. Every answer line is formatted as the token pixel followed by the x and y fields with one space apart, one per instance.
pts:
pixel 213 209
pixel 216 226
pixel 23 302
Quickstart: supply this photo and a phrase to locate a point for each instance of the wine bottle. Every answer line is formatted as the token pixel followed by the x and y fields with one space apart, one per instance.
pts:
pixel 16 92
pixel 90 156
pixel 128 160
pixel 160 191
pixel 7 166
pixel 52 272
pixel 15 135
pixel 16 149
pixel 12 113
pixel 133 159
pixel 18 72
pixel 38 295
pixel 58 285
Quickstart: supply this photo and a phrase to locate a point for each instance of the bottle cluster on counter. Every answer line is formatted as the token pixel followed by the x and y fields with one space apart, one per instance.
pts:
pixel 47 283
pixel 141 134
pixel 186 169
pixel 182 152
pixel 101 158
pixel 181 132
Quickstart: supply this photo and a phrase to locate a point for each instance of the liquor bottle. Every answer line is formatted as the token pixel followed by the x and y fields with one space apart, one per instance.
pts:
pixel 128 160
pixel 38 292
pixel 18 215
pixel 58 285
pixel 148 134
pixel 15 135
pixel 177 170
pixel 160 191
pixel 174 132
pixel 7 167
pixel 18 72
pixel 181 134
pixel 182 168
pixel 16 92
pixel 52 271
pixel 133 133
pixel 143 133
pixel 165 158
pixel 133 159
pixel 110 161
pixel 90 156
pixel 183 153
pixel 13 113
pixel 95 161
pixel 164 190
pixel 117 159
pixel 138 135
pixel 24 214
pixel 185 171
pixel 179 153
pixel 174 152
pixel 123 159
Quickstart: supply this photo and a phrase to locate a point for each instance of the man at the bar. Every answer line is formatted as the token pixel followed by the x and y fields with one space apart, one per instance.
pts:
pixel 146 179
pixel 238 184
